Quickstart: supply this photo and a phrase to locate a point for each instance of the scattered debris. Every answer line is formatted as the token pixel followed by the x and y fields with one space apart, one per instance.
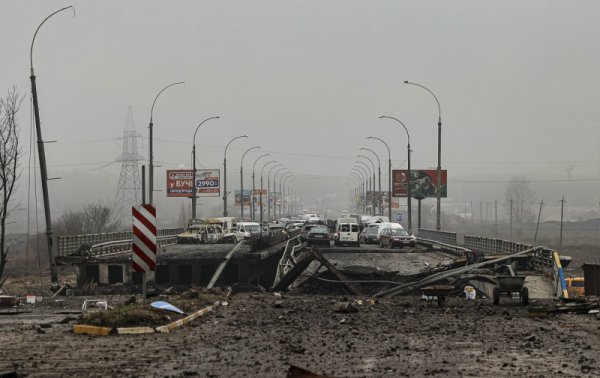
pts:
pixel 8 301
pixel 298 372
pixel 162 305
pixel 94 305
pixel 345 307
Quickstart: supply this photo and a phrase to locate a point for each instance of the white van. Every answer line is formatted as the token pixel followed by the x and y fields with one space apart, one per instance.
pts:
pixel 243 230
pixel 347 232
pixel 384 225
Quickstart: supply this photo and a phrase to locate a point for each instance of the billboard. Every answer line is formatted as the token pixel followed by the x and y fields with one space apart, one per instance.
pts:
pixel 238 197
pixel 423 183
pixel 208 182
pixel 180 183
pixel 395 202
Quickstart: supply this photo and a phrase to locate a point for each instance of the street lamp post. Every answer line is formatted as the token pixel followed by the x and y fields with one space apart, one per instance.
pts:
pixel 283 182
pixel 356 189
pixel 269 191
pixel 409 189
pixel 364 175
pixel 261 188
pixel 194 188
pixel 150 137
pixel 389 176
pixel 274 191
pixel 225 174
pixel 439 166
pixel 42 158
pixel 373 188
pixel 254 185
pixel 368 173
pixel 242 180
pixel 379 171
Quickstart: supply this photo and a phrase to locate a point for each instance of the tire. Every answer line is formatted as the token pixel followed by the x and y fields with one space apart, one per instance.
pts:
pixel 496 295
pixel 524 296
pixel 380 244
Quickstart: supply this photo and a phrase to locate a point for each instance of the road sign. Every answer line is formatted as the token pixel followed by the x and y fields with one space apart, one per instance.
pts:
pixel 144 238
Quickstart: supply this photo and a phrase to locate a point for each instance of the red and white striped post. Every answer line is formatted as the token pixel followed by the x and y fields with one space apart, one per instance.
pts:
pixel 144 241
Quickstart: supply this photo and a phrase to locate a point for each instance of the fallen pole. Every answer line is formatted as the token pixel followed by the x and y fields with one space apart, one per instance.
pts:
pixel 219 270
pixel 403 288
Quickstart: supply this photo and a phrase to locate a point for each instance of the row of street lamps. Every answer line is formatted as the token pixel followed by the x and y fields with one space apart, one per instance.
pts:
pixel 357 170
pixel 363 175
pixel 225 192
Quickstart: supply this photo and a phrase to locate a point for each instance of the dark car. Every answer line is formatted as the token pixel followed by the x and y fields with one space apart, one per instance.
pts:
pixel 369 235
pixel 318 235
pixel 396 237
pixel 306 229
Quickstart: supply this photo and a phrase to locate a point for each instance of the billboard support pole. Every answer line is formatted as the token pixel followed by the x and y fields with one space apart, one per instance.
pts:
pixel 143 184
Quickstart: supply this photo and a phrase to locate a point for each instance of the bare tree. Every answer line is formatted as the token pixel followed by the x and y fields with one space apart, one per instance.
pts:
pixel 521 194
pixel 10 153
pixel 92 219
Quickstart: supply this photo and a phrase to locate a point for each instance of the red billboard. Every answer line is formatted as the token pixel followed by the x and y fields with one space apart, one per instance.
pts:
pixel 423 183
pixel 180 183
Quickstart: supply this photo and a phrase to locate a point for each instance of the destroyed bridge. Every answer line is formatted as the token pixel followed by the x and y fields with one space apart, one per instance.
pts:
pixel 279 262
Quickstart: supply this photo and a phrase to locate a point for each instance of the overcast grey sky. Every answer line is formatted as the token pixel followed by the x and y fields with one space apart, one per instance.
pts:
pixel 306 80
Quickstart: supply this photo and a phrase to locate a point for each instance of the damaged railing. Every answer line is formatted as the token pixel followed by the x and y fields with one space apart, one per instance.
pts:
pixel 544 260
pixel 288 258
pixel 104 243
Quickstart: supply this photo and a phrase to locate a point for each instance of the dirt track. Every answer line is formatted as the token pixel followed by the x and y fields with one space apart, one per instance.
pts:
pixel 260 335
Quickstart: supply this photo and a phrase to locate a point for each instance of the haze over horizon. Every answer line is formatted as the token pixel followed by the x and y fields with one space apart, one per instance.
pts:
pixel 517 84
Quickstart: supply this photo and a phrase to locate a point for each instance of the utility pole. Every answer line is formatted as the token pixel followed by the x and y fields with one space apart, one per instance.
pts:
pixel 496 217
pixel 537 226
pixel 511 218
pixel 42 158
pixel 480 212
pixel 562 207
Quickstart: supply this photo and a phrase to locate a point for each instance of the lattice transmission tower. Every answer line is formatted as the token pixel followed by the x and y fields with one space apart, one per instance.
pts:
pixel 129 189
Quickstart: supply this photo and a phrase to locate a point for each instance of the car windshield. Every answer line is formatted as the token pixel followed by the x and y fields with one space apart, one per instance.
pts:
pixel 399 231
pixel 319 230
pixel 252 228
pixel 371 231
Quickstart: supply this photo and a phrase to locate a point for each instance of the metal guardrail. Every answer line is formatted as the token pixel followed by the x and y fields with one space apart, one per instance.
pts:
pixel 105 243
pixel 544 260
pixel 440 236
pixel 493 246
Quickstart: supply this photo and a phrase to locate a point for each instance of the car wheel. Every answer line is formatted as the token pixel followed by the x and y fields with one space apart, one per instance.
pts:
pixel 380 244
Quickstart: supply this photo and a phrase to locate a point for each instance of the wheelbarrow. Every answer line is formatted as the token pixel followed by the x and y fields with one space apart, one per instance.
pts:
pixel 509 285
pixel 439 291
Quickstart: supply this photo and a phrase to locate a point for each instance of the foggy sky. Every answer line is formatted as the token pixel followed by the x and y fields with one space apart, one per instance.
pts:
pixel 306 80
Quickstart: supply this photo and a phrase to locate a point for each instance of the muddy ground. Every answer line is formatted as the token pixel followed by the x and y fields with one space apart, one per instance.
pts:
pixel 261 335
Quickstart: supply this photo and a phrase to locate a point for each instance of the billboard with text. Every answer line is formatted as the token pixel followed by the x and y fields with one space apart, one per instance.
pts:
pixel 423 183
pixel 208 182
pixel 179 183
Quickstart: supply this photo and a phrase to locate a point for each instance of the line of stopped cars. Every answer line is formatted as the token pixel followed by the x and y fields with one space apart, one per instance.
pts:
pixel 349 232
